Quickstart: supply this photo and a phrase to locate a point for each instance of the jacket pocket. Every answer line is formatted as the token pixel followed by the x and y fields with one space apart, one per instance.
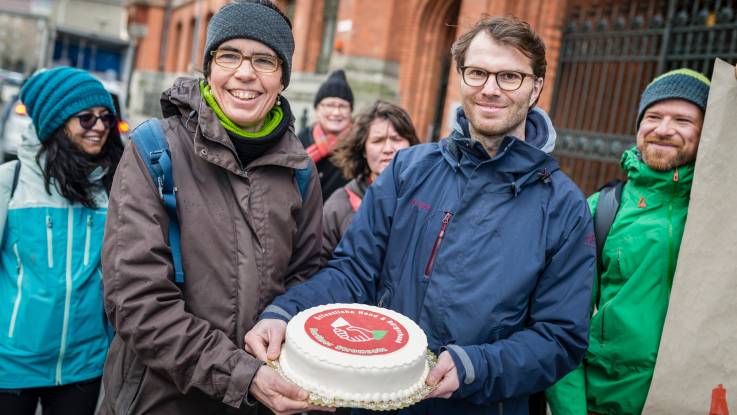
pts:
pixel 18 297
pixel 131 388
pixel 436 245
pixel 87 237
pixel 50 241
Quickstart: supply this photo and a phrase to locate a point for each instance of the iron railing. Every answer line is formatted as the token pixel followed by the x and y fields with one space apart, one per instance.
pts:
pixel 611 50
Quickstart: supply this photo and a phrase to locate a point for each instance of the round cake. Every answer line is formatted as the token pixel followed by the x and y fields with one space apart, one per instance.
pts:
pixel 355 352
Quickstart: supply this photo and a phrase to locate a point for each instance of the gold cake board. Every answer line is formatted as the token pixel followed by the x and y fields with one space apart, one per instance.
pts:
pixel 318 400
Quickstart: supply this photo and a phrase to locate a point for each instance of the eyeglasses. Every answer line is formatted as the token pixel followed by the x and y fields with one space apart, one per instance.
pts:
pixel 507 80
pixel 88 120
pixel 335 106
pixel 260 62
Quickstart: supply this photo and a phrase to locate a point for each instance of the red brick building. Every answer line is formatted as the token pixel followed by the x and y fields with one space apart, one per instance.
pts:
pixel 600 56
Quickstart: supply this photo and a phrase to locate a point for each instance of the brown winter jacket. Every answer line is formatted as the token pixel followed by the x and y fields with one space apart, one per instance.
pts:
pixel 337 215
pixel 245 235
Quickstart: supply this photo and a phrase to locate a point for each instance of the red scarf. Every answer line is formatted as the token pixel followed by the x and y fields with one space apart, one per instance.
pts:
pixel 322 143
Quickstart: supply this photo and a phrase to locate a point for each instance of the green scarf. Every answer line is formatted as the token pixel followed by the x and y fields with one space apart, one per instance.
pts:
pixel 273 117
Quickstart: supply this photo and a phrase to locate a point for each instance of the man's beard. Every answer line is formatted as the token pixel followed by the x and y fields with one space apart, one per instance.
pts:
pixel 491 132
pixel 661 160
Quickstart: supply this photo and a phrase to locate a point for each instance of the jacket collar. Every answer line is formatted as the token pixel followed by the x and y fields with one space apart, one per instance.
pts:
pixel 538 128
pixel 514 155
pixel 659 181
pixel 211 141
pixel 29 148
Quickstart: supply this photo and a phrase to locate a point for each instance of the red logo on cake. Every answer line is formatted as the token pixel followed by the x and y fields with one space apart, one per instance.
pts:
pixel 355 331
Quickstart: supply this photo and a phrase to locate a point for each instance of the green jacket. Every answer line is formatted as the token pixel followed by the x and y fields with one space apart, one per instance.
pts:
pixel 639 261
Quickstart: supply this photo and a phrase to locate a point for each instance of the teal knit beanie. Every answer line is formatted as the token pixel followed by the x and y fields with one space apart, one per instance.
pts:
pixel 682 83
pixel 52 96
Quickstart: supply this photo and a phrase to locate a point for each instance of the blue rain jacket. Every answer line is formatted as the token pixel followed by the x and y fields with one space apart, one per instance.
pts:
pixel 53 329
pixel 492 257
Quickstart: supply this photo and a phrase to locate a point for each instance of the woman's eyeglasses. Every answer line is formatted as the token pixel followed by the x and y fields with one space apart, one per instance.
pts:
pixel 260 62
pixel 88 120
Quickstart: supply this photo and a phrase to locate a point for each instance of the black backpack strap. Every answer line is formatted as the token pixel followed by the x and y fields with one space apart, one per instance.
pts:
pixel 16 174
pixel 610 196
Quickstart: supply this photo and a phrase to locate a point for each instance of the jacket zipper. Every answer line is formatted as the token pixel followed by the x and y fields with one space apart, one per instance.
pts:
pixel 671 245
pixel 87 241
pixel 19 284
pixel 50 241
pixel 441 234
pixel 68 296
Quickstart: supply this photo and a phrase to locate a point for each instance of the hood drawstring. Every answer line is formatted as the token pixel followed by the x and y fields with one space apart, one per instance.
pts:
pixel 544 176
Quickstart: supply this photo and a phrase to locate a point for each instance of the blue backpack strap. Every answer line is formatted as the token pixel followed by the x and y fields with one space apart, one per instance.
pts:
pixel 302 176
pixel 152 147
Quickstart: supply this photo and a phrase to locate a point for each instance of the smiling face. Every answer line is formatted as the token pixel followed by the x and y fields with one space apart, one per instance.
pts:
pixel 90 140
pixel 382 144
pixel 244 95
pixel 669 134
pixel 491 111
pixel 334 115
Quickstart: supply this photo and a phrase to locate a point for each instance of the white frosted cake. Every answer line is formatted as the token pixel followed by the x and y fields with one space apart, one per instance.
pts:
pixel 355 352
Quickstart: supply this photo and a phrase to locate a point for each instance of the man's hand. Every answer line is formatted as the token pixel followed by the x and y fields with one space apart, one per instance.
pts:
pixel 444 377
pixel 279 395
pixel 265 338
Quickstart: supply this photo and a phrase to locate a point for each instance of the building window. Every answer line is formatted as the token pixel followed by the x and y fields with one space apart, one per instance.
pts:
pixel 330 16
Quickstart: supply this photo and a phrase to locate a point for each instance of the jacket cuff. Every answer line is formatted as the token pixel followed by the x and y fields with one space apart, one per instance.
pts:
pixel 275 312
pixel 464 367
pixel 240 379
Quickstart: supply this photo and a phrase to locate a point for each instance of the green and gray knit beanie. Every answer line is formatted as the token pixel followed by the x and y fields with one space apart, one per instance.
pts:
pixel 52 96
pixel 682 83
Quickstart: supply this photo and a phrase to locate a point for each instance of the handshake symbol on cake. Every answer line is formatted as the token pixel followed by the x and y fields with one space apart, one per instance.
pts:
pixel 355 355
pixel 346 331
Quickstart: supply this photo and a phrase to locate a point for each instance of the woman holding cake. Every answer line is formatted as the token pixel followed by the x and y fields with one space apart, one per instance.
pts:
pixel 376 136
pixel 250 221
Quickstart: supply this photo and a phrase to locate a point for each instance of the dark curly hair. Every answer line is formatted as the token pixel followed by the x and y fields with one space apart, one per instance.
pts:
pixel 70 167
pixel 349 153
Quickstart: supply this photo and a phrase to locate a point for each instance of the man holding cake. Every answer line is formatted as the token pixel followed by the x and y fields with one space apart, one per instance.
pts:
pixel 480 239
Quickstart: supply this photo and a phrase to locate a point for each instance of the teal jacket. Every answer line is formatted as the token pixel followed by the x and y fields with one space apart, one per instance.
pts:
pixel 639 261
pixel 53 330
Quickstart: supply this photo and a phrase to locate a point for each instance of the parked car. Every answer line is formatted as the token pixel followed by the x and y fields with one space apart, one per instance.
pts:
pixel 15 121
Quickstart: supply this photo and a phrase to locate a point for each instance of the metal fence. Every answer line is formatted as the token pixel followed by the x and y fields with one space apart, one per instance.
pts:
pixel 610 51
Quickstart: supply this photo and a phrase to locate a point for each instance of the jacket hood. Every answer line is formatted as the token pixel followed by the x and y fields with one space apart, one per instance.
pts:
pixel 661 181
pixel 521 162
pixel 30 146
pixel 183 99
pixel 539 129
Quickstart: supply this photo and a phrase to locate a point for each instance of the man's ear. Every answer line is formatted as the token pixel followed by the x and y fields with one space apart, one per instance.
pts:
pixel 537 89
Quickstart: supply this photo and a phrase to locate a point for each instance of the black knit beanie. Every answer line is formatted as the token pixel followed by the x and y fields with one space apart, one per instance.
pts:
pixel 335 86
pixel 255 21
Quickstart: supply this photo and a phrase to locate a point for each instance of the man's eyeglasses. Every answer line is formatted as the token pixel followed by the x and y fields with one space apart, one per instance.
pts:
pixel 507 80
pixel 88 120
pixel 260 62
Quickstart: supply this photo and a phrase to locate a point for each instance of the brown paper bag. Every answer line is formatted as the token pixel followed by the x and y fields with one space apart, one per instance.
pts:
pixel 698 349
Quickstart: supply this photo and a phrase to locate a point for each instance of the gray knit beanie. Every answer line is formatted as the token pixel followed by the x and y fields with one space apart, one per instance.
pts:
pixel 682 83
pixel 256 21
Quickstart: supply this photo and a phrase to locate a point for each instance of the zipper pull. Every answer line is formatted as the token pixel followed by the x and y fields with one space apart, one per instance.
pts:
pixel 49 224
pixel 675 175
pixel 89 221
